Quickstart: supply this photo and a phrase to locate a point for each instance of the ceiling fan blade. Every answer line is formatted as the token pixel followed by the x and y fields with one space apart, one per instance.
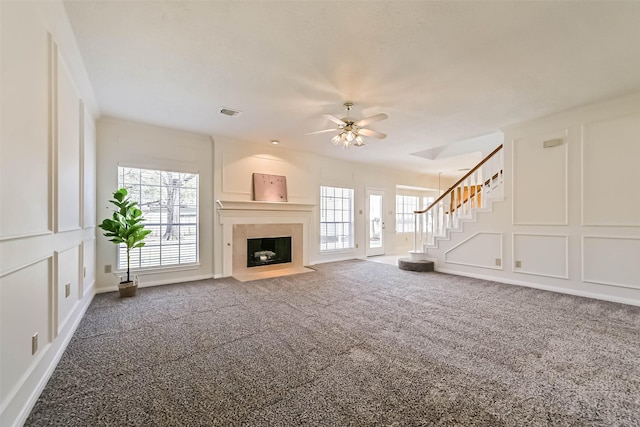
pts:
pixel 372 133
pixel 371 119
pixel 335 119
pixel 322 131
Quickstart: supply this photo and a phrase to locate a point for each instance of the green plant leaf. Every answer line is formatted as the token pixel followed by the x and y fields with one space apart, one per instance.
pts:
pixel 126 225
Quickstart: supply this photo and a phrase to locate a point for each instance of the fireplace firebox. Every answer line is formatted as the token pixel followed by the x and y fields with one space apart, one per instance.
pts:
pixel 268 250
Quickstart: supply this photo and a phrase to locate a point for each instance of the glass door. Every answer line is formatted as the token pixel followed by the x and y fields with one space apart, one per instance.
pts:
pixel 375 222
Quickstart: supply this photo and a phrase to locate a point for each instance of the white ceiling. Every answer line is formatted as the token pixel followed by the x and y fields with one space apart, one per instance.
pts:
pixel 444 71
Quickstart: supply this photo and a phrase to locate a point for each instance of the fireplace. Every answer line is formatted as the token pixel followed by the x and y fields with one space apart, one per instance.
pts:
pixel 268 250
pixel 244 220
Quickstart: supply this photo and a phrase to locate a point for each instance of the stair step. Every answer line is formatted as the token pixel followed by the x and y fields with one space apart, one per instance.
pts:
pixel 409 265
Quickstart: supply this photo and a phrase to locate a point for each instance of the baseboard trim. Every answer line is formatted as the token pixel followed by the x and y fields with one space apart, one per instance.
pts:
pixel 23 401
pixel 145 284
pixel 592 295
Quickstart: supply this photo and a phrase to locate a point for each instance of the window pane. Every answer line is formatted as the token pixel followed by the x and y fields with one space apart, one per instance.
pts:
pixel 405 206
pixel 336 218
pixel 169 202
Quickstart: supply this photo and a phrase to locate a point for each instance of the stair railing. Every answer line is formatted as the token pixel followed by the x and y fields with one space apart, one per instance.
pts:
pixel 482 182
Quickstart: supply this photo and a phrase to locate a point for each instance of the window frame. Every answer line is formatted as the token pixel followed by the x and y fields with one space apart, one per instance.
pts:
pixel 324 210
pixel 138 257
pixel 404 214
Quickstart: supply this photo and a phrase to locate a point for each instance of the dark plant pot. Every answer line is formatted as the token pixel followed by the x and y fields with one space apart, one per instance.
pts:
pixel 127 289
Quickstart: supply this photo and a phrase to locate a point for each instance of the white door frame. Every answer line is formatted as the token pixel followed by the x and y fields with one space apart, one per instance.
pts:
pixel 379 249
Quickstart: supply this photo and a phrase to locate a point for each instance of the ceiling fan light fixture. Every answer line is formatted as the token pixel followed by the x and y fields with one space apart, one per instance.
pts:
pixel 351 132
pixel 350 136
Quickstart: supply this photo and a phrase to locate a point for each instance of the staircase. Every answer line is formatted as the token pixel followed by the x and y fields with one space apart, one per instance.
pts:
pixel 474 192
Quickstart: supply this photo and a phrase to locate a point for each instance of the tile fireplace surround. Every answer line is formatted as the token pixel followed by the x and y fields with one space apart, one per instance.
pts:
pixel 247 220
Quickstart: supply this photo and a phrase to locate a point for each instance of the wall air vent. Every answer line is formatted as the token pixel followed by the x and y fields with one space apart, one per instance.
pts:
pixel 229 112
pixel 552 143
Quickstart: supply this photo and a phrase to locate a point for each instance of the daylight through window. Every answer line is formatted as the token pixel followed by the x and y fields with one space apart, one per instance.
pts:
pixel 405 206
pixel 336 218
pixel 169 202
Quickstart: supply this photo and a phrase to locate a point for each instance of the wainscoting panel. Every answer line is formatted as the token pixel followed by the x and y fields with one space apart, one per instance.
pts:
pixel 611 261
pixel 238 169
pixel 541 255
pixel 88 171
pixel 25 119
pixel 88 272
pixel 25 311
pixel 480 250
pixel 66 285
pixel 610 151
pixel 540 180
pixel 68 152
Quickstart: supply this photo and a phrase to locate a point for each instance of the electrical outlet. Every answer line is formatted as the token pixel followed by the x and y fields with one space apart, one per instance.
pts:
pixel 107 268
pixel 34 343
pixel 498 262
pixel 518 264
pixel 67 289
pixel 356 246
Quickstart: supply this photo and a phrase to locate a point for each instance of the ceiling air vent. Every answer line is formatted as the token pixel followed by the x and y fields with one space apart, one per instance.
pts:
pixel 229 112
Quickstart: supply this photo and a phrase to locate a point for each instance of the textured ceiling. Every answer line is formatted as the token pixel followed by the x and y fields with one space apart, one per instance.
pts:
pixel 444 72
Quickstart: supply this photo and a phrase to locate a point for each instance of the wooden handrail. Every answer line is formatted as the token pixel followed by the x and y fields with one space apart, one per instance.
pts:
pixel 468 174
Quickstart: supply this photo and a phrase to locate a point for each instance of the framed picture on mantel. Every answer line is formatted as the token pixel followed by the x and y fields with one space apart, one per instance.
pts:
pixel 269 188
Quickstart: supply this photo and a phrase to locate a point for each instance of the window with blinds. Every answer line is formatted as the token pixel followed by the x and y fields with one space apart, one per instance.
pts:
pixel 169 202
pixel 336 218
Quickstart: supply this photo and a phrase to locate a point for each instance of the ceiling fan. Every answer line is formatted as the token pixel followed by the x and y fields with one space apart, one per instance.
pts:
pixel 350 132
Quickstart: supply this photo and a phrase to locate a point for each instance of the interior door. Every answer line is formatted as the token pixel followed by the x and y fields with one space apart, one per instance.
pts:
pixel 375 222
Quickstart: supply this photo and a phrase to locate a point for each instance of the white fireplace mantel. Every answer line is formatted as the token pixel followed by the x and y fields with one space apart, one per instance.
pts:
pixel 224 206
pixel 231 213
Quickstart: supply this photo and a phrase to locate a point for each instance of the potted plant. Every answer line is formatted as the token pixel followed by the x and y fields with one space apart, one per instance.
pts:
pixel 125 226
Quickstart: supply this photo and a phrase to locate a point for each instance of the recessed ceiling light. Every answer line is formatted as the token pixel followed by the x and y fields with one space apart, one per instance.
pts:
pixel 275 142
pixel 229 112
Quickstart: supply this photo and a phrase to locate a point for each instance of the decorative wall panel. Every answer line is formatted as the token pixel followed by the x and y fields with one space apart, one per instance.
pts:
pixel 88 171
pixel 610 153
pixel 479 250
pixel 88 265
pixel 66 285
pixel 611 261
pixel 540 180
pixel 68 152
pixel 238 169
pixel 541 254
pixel 24 155
pixel 25 310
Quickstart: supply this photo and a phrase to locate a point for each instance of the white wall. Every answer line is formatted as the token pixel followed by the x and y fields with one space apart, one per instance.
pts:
pixel 235 162
pixel 571 214
pixel 47 186
pixel 123 143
